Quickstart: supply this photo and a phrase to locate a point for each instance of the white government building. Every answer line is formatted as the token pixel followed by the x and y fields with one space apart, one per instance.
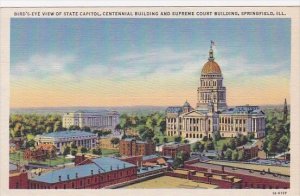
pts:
pixel 93 119
pixel 211 113
pixel 61 139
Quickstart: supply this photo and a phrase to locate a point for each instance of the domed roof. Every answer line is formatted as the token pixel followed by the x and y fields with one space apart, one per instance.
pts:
pixel 211 67
pixel 186 104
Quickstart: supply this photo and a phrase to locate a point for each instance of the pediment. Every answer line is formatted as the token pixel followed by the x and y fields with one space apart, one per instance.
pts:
pixel 193 114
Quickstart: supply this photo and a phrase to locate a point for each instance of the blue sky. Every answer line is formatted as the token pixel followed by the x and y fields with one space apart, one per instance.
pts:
pixel 162 55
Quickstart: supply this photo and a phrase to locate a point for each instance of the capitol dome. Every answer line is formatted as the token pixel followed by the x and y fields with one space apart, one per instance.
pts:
pixel 211 67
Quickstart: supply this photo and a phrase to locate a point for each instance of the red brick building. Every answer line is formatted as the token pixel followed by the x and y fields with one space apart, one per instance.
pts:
pixel 90 174
pixel 250 151
pixel 251 179
pixel 18 179
pixel 172 149
pixel 133 147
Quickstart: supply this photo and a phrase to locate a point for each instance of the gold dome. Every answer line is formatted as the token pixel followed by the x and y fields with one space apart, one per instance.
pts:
pixel 211 67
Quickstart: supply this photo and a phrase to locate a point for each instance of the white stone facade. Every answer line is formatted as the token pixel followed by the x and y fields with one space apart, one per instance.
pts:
pixel 94 120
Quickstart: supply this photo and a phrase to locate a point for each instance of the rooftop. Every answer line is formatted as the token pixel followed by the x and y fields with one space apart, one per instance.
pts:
pixel 243 109
pixel 153 156
pixel 67 134
pixel 99 165
pixel 174 109
pixel 176 145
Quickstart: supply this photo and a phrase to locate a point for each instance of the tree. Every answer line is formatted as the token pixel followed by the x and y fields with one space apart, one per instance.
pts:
pixel 74 127
pixel 180 158
pixel 186 141
pixel 210 145
pixel 228 154
pixel 67 150
pixel 177 139
pixel 97 151
pixel 57 126
pixel 85 128
pixel 244 140
pixel 73 152
pixel 241 156
pixel 165 140
pixel 232 144
pixel 235 155
pixel 73 145
pixel 30 143
pixel 216 135
pixel 283 144
pixel 83 149
pixel 156 140
pixel 114 141
pixel 205 138
pixel 224 147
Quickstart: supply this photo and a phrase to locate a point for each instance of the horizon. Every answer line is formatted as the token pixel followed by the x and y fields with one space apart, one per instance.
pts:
pixel 129 62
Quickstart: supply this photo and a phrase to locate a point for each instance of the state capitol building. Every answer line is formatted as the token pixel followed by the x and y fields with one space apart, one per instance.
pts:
pixel 211 113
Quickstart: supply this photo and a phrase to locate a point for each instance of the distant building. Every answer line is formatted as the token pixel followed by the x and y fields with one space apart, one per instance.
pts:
pixel 97 173
pixel 212 114
pixel 93 119
pixel 133 147
pixel 64 138
pixel 171 150
pixel 250 150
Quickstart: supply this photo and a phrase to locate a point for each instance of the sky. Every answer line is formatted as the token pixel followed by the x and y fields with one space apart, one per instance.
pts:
pixel 129 62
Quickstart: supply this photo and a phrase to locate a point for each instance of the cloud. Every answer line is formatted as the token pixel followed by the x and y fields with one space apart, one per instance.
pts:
pixel 43 66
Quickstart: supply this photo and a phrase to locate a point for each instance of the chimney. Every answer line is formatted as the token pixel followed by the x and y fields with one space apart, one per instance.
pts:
pixel 124 165
pixel 117 167
pixel 99 171
pixel 92 172
pixel 68 177
pixel 59 178
pixel 111 167
pixel 76 175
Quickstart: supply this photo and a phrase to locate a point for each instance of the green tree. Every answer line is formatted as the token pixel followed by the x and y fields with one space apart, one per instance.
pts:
pixel 83 149
pixel 156 140
pixel 57 126
pixel 232 144
pixel 165 140
pixel 216 135
pixel 115 141
pixel 86 129
pixel 283 144
pixel 228 154
pixel 209 145
pixel 74 127
pixel 235 155
pixel 186 141
pixel 224 147
pixel 30 143
pixel 177 139
pixel 67 150
pixel 205 138
pixel 73 152
pixel 241 156
pixel 97 151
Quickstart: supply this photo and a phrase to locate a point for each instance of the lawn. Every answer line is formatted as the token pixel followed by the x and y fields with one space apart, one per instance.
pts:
pixel 275 169
pixel 18 157
pixel 106 152
pixel 169 182
pixel 161 137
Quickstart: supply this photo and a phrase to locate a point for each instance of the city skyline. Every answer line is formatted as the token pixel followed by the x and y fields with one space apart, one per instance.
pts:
pixel 127 62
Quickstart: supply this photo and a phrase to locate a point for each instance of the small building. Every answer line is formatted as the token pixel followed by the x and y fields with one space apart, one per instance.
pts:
pixel 94 174
pixel 172 149
pixel 18 178
pixel 133 147
pixel 250 151
pixel 66 138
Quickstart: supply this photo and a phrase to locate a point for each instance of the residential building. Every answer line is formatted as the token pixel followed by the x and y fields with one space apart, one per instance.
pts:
pixel 172 150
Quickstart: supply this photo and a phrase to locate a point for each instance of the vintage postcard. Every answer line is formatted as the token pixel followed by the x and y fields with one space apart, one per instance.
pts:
pixel 150 100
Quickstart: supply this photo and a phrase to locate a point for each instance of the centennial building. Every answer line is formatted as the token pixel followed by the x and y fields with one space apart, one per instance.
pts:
pixel 212 114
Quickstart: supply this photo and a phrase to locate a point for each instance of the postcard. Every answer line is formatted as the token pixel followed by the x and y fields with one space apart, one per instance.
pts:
pixel 150 100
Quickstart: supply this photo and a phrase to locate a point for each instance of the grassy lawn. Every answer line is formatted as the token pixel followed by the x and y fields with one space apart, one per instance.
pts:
pixel 170 182
pixel 18 157
pixel 275 169
pixel 106 152
pixel 161 138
